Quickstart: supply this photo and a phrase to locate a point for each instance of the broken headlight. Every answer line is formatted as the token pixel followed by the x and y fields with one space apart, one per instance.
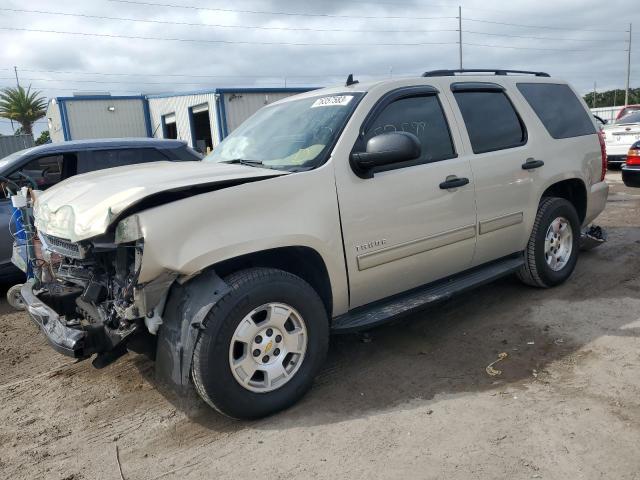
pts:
pixel 128 230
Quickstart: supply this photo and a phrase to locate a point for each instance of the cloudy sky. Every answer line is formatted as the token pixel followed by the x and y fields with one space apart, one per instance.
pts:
pixel 150 46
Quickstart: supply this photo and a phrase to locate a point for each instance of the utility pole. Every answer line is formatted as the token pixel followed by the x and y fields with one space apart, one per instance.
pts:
pixel 460 34
pixel 15 70
pixel 593 103
pixel 626 93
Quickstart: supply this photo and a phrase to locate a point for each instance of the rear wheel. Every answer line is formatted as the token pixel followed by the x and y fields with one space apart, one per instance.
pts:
pixel 262 344
pixel 552 250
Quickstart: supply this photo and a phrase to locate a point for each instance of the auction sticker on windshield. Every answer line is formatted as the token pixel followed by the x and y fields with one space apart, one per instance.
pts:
pixel 339 100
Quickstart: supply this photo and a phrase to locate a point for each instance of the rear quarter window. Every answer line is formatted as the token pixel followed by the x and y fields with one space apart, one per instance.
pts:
pixel 558 109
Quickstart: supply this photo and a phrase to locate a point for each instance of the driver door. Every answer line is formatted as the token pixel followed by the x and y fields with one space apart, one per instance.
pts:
pixel 400 228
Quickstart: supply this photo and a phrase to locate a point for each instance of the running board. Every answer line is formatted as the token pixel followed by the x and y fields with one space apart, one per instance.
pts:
pixel 388 309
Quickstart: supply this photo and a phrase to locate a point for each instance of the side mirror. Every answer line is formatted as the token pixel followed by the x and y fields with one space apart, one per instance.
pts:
pixel 385 149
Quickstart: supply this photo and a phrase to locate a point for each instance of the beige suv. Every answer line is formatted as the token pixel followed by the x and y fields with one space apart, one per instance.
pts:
pixel 332 211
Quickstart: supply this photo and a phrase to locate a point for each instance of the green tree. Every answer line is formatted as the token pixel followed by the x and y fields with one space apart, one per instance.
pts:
pixel 23 106
pixel 612 98
pixel 43 138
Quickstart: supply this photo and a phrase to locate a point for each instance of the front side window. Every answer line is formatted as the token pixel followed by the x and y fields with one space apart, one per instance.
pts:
pixel 422 116
pixel 294 135
pixel 558 109
pixel 492 122
pixel 42 172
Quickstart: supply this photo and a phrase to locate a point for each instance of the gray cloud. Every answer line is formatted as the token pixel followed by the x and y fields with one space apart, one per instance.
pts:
pixel 150 62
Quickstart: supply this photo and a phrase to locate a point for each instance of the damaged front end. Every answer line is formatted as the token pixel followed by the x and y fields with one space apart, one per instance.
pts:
pixel 86 296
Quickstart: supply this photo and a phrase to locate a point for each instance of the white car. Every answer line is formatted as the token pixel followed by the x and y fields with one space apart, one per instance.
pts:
pixel 619 137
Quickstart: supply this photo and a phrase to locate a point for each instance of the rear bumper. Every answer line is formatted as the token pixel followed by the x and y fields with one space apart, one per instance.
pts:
pixel 68 341
pixel 631 176
pixel 616 159
pixel 596 202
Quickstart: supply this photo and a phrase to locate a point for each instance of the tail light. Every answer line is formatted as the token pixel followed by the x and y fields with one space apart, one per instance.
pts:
pixel 633 157
pixel 603 152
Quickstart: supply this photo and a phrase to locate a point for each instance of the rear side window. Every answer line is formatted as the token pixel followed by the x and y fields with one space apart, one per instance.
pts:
pixel 491 120
pixel 558 109
pixel 91 160
pixel 422 116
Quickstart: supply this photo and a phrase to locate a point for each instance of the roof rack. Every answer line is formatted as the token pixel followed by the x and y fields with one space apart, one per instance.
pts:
pixel 451 73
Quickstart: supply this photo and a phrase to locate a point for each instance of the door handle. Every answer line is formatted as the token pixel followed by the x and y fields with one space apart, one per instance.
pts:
pixel 454 183
pixel 532 163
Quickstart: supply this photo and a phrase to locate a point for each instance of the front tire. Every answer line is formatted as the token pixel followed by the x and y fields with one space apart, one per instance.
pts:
pixel 552 250
pixel 261 345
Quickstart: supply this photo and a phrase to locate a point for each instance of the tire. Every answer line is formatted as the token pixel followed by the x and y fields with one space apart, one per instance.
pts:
pixel 536 270
pixel 14 297
pixel 217 346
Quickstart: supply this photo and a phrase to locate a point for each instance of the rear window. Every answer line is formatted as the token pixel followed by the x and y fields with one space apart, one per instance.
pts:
pixel 558 109
pixel 91 160
pixel 491 120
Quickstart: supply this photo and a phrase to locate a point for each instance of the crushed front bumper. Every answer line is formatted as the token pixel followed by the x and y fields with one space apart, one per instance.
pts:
pixel 68 341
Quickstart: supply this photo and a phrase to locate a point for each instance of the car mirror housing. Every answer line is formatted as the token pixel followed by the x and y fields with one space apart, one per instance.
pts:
pixel 385 149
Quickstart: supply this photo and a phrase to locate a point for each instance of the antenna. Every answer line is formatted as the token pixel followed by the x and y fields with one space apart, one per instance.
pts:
pixel 351 81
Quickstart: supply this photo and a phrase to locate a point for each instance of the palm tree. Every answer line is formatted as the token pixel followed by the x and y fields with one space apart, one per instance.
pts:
pixel 23 106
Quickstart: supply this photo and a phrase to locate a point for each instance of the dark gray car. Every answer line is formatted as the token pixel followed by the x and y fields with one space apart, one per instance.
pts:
pixel 48 164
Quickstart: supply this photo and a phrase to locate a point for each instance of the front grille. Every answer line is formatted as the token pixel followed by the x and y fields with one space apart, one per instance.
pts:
pixel 62 246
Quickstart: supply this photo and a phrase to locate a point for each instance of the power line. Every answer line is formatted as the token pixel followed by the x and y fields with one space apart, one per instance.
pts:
pixel 168 82
pixel 246 42
pixel 215 25
pixel 264 12
pixel 541 38
pixel 542 49
pixel 226 42
pixel 195 75
pixel 526 26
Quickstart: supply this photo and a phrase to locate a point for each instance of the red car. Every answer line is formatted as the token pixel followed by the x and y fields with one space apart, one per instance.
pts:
pixel 628 109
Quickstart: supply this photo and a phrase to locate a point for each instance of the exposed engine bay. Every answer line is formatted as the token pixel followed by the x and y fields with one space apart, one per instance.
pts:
pixel 92 290
pixel 87 294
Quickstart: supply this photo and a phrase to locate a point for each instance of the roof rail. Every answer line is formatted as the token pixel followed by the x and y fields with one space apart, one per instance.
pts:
pixel 451 73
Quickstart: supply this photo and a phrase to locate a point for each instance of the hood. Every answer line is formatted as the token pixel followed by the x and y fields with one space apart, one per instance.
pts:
pixel 85 206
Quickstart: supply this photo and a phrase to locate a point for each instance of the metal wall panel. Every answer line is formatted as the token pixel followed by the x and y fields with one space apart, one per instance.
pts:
pixel 240 106
pixel 180 106
pixel 55 121
pixel 13 143
pixel 92 118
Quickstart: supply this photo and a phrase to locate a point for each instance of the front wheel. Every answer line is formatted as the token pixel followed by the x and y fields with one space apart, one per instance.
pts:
pixel 262 344
pixel 552 250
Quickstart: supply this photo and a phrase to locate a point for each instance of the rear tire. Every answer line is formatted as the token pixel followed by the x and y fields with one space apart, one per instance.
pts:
pixel 552 250
pixel 288 318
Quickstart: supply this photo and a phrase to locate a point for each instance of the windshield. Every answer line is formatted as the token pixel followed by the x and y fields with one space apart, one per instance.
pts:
pixel 633 117
pixel 293 135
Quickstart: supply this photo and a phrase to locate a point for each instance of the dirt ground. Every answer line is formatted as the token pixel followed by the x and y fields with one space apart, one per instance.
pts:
pixel 411 400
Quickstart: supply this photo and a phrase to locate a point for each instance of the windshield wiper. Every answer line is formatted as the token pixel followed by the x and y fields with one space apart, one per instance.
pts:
pixel 250 163
pixel 243 161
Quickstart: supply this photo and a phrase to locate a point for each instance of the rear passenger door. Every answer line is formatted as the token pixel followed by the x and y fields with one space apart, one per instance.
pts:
pixel 497 146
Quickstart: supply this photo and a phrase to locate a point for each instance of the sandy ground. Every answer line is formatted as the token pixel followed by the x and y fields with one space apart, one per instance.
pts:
pixel 412 400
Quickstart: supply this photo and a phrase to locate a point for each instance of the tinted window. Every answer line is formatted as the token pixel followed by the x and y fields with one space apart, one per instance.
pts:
pixel 633 117
pixel 91 160
pixel 182 153
pixel 558 109
pixel 492 122
pixel 422 116
pixel 43 171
